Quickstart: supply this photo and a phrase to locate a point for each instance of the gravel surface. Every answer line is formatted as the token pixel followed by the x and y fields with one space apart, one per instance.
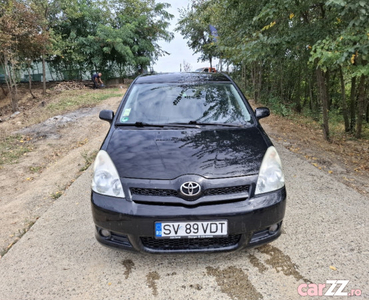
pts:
pixel 325 238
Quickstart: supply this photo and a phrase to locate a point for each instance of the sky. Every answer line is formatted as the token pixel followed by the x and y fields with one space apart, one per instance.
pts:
pixel 177 48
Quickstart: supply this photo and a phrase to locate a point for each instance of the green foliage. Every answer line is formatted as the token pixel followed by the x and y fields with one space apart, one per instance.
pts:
pixel 97 35
pixel 347 44
pixel 278 107
pixel 296 55
pixel 194 26
pixel 115 36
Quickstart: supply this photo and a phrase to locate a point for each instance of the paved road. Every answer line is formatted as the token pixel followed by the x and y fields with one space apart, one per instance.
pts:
pixel 325 238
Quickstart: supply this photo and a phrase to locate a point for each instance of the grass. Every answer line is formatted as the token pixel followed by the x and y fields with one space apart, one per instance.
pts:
pixel 89 159
pixel 72 100
pixel 68 101
pixel 36 169
pixel 314 119
pixel 56 195
pixel 311 119
pixel 13 147
pixel 61 190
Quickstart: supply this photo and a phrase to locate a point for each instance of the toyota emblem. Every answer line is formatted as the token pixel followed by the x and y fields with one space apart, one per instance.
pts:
pixel 190 189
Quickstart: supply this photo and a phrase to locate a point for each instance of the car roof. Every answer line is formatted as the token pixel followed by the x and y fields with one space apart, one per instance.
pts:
pixel 183 77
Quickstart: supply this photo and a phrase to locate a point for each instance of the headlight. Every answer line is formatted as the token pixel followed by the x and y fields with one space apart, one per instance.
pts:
pixel 271 176
pixel 106 180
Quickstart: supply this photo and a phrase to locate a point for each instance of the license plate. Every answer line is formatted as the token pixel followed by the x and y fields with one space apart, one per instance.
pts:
pixel 196 229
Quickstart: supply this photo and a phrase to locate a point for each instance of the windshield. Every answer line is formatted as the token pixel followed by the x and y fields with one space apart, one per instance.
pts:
pixel 217 103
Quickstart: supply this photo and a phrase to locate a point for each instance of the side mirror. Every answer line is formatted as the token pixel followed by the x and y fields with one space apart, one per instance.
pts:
pixel 262 112
pixel 106 115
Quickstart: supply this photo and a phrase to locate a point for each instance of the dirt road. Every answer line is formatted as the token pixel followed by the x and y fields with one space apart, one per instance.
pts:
pixel 61 147
pixel 325 238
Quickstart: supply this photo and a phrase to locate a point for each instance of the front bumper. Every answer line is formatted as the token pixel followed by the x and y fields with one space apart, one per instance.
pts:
pixel 131 225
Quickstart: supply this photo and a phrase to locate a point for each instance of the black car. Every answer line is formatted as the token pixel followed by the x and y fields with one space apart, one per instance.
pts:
pixel 186 167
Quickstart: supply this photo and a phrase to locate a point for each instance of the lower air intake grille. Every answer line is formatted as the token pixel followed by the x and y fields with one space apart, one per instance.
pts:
pixel 190 244
pixel 153 192
pixel 227 190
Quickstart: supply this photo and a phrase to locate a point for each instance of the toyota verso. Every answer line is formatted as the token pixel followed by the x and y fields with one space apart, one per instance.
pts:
pixel 186 167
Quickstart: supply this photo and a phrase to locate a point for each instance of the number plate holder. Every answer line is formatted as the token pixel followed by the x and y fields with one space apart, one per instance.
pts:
pixel 191 229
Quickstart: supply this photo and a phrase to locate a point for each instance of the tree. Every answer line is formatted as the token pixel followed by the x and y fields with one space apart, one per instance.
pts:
pixel 194 26
pixel 46 11
pixel 103 33
pixel 296 54
pixel 186 66
pixel 144 22
pixel 79 36
pixel 20 39
pixel 347 48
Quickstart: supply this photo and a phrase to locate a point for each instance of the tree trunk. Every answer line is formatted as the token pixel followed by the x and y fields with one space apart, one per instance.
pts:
pixel 360 106
pixel 311 95
pixel 30 83
pixel 353 104
pixel 367 101
pixel 43 75
pixel 259 79
pixel 344 104
pixel 281 90
pixel 253 78
pixel 321 80
pixel 4 91
pixel 244 72
pixel 7 75
pixel 11 83
pixel 298 93
pixel 327 75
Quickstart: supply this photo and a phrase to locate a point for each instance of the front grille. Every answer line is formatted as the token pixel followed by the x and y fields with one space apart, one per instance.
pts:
pixel 227 190
pixel 190 244
pixel 173 193
pixel 153 192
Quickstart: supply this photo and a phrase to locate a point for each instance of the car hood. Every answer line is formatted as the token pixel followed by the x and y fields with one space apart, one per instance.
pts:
pixel 168 154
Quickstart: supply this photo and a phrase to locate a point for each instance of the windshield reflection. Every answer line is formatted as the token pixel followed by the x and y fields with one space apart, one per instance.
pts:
pixel 205 103
pixel 169 153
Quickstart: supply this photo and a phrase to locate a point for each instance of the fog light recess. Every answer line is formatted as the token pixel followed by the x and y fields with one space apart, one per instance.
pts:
pixel 273 228
pixel 105 233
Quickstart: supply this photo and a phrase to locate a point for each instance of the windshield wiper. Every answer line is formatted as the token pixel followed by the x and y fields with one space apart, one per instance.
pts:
pixel 188 125
pixel 215 124
pixel 140 124
pixel 191 124
pixel 143 124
